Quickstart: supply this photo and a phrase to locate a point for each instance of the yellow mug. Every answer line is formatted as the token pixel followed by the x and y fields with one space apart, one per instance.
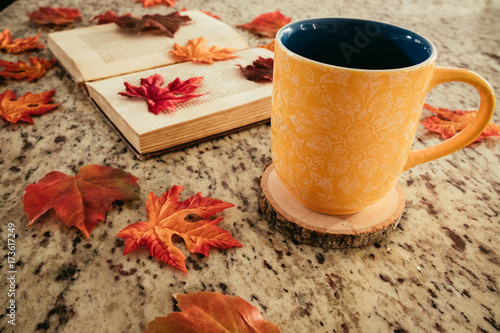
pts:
pixel 347 100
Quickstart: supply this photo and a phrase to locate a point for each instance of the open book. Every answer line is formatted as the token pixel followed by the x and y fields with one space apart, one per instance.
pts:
pixel 103 57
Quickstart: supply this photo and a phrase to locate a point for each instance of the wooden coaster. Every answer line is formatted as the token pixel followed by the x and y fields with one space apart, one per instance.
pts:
pixel 304 225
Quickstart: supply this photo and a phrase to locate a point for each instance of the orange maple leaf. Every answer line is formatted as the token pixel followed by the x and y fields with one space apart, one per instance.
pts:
pixel 19 44
pixel 80 200
pixel 147 3
pixel 447 122
pixel 267 24
pixel 269 46
pixel 14 110
pixel 207 311
pixel 168 217
pixel 196 51
pixel 20 70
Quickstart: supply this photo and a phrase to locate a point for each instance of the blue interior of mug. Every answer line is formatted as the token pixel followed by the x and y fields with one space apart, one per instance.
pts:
pixel 355 43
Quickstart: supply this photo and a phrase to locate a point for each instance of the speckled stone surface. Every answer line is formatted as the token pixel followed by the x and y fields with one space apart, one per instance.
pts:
pixel 438 272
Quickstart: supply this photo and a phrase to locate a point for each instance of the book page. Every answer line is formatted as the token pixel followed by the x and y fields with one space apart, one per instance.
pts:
pixel 106 50
pixel 223 84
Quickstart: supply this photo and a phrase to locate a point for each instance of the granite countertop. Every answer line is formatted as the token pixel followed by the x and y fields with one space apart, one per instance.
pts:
pixel 438 271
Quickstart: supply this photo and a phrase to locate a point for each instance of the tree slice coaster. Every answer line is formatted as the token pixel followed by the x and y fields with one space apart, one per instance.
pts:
pixel 306 226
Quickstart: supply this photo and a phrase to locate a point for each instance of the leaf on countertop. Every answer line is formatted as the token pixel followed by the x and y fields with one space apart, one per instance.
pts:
pixel 35 69
pixel 81 200
pixel 204 12
pixel 165 24
pixel 210 14
pixel 18 45
pixel 108 17
pixel 447 122
pixel 147 3
pixel 14 110
pixel 163 99
pixel 267 24
pixel 260 71
pixel 269 46
pixel 168 217
pixel 55 16
pixel 197 51
pixel 207 311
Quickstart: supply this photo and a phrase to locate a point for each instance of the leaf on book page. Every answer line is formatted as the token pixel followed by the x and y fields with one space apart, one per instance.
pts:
pixel 147 3
pixel 260 71
pixel 196 50
pixel 55 16
pixel 207 311
pixel 108 17
pixel 165 24
pixel 189 219
pixel 22 109
pixel 18 45
pixel 447 122
pixel 35 69
pixel 163 99
pixel 267 24
pixel 81 200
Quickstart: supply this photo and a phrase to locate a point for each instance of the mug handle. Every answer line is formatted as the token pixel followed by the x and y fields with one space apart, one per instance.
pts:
pixel 472 130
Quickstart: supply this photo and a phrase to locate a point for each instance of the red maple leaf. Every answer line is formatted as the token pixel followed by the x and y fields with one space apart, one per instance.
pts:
pixel 35 69
pixel 207 311
pixel 168 216
pixel 21 109
pixel 147 3
pixel 165 24
pixel 447 122
pixel 163 99
pixel 18 45
pixel 109 17
pixel 260 70
pixel 80 200
pixel 55 16
pixel 267 24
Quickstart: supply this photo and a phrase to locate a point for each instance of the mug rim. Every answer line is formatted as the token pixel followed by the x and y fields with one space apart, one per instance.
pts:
pixel 430 59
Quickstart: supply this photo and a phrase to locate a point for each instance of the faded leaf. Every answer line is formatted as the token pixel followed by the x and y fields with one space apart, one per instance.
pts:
pixel 269 46
pixel 210 14
pixel 56 16
pixel 163 99
pixel 204 12
pixel 165 24
pixel 266 25
pixel 108 17
pixel 147 3
pixel 261 70
pixel 168 216
pixel 14 110
pixel 196 51
pixel 18 45
pixel 35 69
pixel 81 200
pixel 447 122
pixel 212 312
